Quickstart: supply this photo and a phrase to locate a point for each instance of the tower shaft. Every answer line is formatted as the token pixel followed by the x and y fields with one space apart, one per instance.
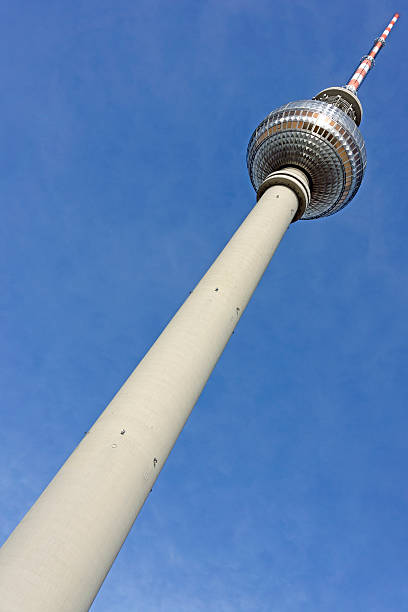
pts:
pixel 58 556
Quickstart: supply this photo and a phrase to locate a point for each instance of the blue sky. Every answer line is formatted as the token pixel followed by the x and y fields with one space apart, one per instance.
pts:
pixel 123 137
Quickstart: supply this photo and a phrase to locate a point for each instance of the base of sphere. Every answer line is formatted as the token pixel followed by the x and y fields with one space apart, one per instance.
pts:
pixel 294 179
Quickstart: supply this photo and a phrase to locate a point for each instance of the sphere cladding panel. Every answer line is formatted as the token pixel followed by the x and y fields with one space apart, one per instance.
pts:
pixel 318 138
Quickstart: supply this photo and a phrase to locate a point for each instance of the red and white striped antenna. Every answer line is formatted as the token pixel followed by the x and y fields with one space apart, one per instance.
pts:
pixel 367 62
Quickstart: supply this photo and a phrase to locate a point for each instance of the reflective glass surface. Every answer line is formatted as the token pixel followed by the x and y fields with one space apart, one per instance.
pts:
pixel 318 138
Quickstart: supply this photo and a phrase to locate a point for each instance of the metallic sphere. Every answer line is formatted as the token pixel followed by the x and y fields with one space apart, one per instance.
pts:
pixel 318 138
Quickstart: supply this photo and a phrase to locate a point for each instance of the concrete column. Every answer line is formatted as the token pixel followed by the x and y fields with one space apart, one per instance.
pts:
pixel 58 556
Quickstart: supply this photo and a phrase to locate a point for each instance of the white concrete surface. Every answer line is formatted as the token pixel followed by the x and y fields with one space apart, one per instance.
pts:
pixel 58 556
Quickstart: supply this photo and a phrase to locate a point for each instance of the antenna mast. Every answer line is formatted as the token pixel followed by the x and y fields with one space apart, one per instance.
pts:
pixel 368 61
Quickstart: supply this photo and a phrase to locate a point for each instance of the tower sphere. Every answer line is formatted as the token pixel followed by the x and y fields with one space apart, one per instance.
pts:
pixel 319 138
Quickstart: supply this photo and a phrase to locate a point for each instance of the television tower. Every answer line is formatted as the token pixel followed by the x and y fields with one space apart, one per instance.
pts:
pixel 306 160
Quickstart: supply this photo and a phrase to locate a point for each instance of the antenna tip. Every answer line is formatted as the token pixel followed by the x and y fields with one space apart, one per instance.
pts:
pixel 396 15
